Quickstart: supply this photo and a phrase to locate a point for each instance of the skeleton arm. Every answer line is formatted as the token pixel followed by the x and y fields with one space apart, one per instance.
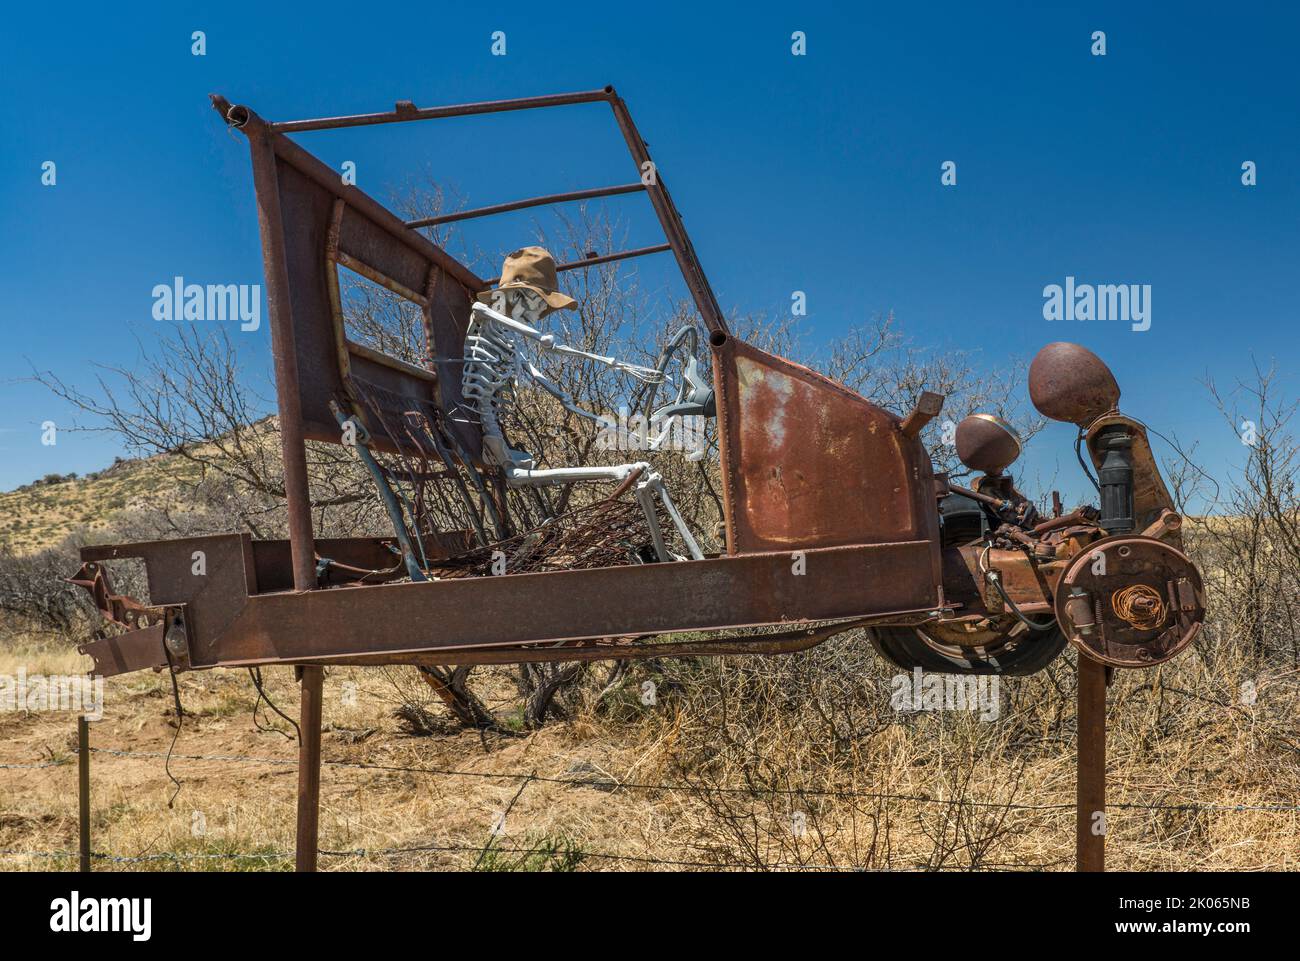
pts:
pixel 548 385
pixel 547 342
pixel 529 371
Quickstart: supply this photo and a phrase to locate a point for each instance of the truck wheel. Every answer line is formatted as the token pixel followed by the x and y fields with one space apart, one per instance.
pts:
pixel 1012 654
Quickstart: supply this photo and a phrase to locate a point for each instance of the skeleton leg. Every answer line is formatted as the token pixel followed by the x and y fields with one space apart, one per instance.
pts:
pixel 645 496
pixel 525 477
pixel 647 487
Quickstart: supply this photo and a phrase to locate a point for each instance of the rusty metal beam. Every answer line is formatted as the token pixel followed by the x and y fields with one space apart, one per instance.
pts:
pixel 407 111
pixel 278 299
pixel 296 483
pixel 623 649
pixel 83 792
pixel 927 408
pixel 714 594
pixel 398 620
pixel 307 843
pixel 671 222
pixel 524 204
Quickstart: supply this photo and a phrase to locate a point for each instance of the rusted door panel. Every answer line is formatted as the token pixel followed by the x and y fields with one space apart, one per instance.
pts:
pixel 808 463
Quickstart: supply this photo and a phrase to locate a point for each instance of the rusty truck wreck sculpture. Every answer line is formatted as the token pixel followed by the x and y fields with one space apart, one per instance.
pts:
pixel 946 578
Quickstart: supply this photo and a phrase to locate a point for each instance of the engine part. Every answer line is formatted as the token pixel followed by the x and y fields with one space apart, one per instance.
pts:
pixel 1115 480
pixel 963 520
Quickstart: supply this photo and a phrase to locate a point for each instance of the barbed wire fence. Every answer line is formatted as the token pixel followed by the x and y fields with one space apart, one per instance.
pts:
pixel 611 784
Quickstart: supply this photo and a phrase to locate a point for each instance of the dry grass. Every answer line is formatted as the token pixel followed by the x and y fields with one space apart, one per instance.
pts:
pixel 759 746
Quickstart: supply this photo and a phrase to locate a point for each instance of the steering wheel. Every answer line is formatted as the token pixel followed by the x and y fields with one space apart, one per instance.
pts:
pixel 694 393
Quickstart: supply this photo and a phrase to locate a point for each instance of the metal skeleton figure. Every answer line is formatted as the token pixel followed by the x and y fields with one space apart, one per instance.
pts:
pixel 496 360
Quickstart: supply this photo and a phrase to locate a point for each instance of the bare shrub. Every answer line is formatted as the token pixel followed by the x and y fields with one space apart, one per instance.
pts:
pixel 1250 546
pixel 36 599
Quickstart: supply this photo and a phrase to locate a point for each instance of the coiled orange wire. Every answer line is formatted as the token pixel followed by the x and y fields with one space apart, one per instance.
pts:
pixel 1139 605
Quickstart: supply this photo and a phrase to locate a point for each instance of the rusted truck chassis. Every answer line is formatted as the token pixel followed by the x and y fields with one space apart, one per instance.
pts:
pixel 834 517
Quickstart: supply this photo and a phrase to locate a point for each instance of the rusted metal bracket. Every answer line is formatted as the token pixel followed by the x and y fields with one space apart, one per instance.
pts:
pixel 113 607
pixel 133 651
pixel 927 408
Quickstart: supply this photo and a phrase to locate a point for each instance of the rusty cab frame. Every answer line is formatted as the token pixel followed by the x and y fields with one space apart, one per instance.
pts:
pixel 808 466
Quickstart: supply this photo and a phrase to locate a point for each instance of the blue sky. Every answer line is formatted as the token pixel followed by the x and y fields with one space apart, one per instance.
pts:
pixel 818 173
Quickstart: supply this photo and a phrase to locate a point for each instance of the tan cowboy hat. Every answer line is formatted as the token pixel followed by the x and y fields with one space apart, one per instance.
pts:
pixel 533 268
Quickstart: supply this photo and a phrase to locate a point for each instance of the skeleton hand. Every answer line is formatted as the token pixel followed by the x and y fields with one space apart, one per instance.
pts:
pixel 647 375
